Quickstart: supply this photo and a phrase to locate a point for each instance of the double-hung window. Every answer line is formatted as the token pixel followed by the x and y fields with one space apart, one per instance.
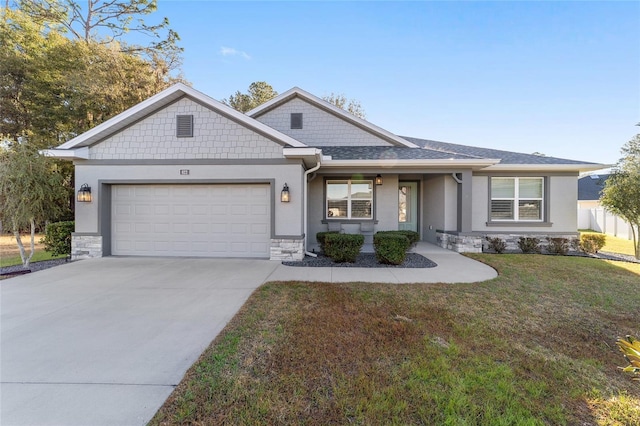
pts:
pixel 349 199
pixel 517 199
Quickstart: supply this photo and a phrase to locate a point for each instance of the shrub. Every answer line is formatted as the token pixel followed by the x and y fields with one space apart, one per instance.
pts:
pixel 390 247
pixel 412 236
pixel 558 246
pixel 320 237
pixel 592 243
pixel 343 247
pixel 529 244
pixel 497 244
pixel 57 238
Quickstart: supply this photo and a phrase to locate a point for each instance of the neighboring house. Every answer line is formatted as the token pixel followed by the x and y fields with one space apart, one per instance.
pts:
pixel 589 190
pixel 181 174
pixel 591 214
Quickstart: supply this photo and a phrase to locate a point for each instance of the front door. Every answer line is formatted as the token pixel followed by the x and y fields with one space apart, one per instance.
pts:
pixel 408 206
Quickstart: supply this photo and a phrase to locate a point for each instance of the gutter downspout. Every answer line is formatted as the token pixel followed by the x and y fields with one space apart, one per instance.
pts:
pixel 306 205
pixel 456 178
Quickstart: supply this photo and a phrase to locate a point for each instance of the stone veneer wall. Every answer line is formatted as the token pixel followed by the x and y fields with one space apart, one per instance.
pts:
pixel 459 243
pixel 86 246
pixel 511 240
pixel 286 249
pixel 479 243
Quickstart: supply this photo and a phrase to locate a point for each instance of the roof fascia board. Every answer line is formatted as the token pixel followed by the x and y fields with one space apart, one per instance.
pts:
pixel 479 163
pixel 546 167
pixel 300 152
pixel 166 97
pixel 67 154
pixel 331 109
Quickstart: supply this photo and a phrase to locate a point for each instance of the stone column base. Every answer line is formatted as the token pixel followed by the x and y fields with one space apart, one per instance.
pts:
pixel 86 246
pixel 459 243
pixel 287 249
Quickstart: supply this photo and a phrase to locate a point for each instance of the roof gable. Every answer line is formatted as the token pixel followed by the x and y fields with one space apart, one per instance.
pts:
pixel 164 99
pixel 299 94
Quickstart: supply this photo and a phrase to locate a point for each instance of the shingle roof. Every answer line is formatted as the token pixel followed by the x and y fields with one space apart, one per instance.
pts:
pixel 507 157
pixel 388 153
pixel 434 150
pixel 590 187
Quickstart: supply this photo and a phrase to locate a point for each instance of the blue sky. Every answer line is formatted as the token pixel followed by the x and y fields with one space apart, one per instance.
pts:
pixel 561 78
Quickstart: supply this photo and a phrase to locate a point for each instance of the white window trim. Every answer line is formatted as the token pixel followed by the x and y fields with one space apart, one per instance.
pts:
pixel 516 199
pixel 349 199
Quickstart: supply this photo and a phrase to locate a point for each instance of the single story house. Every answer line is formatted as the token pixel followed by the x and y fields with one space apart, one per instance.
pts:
pixel 181 174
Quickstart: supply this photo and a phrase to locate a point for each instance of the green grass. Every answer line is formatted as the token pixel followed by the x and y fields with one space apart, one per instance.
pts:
pixel 535 346
pixel 614 244
pixel 38 256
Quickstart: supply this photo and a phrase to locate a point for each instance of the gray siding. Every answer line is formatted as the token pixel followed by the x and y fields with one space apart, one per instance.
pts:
pixel 563 198
pixel 215 137
pixel 320 128
pixel 287 216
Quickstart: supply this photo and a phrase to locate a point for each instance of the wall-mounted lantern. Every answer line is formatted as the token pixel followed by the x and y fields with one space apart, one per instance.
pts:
pixel 378 179
pixel 284 195
pixel 84 194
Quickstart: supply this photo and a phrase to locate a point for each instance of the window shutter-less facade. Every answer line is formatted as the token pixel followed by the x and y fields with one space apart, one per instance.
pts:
pixel 184 126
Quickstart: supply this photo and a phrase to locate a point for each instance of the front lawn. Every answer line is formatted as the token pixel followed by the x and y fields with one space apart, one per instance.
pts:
pixel 534 346
pixel 615 244
pixel 10 254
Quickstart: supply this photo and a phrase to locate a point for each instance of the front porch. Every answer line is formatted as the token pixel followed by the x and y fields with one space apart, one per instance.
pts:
pixel 437 205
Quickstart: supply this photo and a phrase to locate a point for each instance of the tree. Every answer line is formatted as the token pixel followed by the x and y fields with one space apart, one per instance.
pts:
pixel 53 88
pixel 350 105
pixel 621 193
pixel 108 21
pixel 259 92
pixel 32 190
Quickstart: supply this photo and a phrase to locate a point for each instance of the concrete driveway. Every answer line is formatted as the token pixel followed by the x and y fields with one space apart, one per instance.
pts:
pixel 105 341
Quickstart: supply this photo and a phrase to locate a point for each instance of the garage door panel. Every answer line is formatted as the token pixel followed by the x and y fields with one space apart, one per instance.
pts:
pixel 191 220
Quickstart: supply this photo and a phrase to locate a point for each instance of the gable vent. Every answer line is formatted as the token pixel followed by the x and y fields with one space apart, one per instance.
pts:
pixel 184 126
pixel 296 120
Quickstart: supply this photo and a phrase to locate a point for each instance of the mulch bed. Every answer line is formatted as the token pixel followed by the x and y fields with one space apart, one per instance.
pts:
pixel 364 260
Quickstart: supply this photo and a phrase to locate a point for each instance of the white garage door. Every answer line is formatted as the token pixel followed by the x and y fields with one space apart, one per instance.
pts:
pixel 190 220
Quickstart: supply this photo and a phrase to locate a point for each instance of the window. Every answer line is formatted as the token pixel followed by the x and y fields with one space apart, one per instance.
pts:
pixel 184 126
pixel 349 199
pixel 517 199
pixel 296 120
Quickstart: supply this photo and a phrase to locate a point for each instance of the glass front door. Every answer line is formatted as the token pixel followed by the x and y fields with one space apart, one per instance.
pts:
pixel 408 206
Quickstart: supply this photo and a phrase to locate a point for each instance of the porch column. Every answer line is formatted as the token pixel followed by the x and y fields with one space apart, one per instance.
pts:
pixel 465 199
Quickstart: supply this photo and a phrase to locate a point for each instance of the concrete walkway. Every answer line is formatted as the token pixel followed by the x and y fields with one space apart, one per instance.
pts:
pixel 452 268
pixel 105 341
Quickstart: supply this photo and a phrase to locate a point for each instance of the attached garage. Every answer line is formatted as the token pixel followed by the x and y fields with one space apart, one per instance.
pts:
pixel 198 220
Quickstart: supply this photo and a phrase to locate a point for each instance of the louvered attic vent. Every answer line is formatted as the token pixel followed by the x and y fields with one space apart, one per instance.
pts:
pixel 184 126
pixel 296 120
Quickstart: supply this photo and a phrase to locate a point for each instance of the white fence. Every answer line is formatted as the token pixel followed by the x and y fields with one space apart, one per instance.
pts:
pixel 603 221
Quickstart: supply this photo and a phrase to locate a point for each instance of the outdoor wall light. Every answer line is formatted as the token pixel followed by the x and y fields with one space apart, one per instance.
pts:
pixel 378 179
pixel 84 194
pixel 284 195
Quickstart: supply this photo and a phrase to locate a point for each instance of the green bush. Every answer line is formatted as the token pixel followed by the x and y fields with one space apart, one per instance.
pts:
pixel 592 243
pixel 412 236
pixel 390 247
pixel 558 246
pixel 343 247
pixel 497 244
pixel 529 244
pixel 320 237
pixel 57 238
